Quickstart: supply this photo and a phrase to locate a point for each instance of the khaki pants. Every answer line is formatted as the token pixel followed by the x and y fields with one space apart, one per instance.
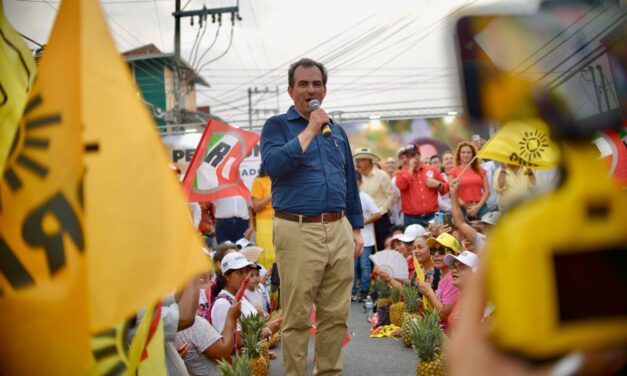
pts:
pixel 315 264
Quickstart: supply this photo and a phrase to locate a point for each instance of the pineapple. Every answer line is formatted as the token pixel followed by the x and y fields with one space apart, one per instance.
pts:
pixel 410 293
pixel 275 339
pixel 240 367
pixel 383 293
pixel 397 308
pixel 265 350
pixel 428 341
pixel 253 345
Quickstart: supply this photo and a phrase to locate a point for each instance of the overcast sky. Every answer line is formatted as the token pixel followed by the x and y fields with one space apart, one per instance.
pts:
pixel 395 54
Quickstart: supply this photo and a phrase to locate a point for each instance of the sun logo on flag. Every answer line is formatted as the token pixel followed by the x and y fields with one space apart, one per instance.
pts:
pixel 533 144
pixel 26 140
pixel 109 350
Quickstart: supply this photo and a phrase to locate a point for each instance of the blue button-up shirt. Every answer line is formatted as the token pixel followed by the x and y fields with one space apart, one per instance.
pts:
pixel 320 180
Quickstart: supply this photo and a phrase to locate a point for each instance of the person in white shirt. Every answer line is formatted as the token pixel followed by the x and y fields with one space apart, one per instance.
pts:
pixel 362 263
pixel 234 219
pixel 235 268
pixel 253 294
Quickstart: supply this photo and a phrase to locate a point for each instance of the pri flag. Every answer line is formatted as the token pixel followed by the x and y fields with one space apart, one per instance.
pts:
pixel 613 148
pixel 214 170
pixel 525 144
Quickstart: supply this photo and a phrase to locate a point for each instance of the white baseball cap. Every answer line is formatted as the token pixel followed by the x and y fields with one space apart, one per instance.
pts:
pixel 411 233
pixel 467 258
pixel 235 261
pixel 242 243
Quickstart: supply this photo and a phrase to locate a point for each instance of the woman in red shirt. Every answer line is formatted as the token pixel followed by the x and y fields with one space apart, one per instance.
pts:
pixel 474 188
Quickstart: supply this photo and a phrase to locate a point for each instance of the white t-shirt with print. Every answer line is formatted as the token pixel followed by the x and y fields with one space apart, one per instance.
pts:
pixel 221 307
pixel 369 208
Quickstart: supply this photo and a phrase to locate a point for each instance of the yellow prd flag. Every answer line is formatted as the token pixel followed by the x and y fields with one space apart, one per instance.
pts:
pixel 140 237
pixel 17 72
pixel 523 143
pixel 85 138
pixel 44 317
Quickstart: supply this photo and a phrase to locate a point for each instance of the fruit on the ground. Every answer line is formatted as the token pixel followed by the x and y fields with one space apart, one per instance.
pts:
pixel 428 341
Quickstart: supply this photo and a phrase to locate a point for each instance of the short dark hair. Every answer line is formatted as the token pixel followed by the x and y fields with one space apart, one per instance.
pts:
pixel 305 62
pixel 435 156
pixel 359 178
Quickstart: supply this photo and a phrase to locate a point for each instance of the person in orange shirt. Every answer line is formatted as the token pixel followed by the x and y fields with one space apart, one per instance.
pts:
pixel 474 188
pixel 262 205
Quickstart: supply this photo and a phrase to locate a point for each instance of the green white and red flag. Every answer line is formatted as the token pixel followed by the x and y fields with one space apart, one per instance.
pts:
pixel 214 170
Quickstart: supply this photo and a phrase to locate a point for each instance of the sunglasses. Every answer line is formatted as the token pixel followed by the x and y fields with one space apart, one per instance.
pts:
pixel 440 250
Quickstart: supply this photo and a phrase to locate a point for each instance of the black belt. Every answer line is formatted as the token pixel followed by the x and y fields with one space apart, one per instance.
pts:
pixel 420 215
pixel 322 218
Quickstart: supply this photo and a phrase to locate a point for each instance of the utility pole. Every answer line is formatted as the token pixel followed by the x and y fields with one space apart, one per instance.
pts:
pixel 252 91
pixel 202 14
pixel 178 99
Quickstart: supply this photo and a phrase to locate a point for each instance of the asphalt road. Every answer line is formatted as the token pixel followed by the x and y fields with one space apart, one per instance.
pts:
pixel 364 355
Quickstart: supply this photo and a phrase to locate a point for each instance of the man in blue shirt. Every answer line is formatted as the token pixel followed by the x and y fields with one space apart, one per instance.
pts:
pixel 317 221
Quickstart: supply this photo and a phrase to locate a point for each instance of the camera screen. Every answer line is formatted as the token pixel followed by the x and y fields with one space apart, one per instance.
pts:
pixel 565 66
pixel 591 284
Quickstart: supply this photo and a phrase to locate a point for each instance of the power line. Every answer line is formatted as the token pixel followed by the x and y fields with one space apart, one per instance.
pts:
pixel 30 40
pixel 158 23
pixel 225 51
pixel 263 45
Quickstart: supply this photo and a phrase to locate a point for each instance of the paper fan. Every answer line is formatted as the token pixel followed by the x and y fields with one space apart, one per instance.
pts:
pixel 251 253
pixel 391 263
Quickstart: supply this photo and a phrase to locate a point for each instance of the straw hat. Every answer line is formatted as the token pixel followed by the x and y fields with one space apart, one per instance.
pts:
pixel 365 153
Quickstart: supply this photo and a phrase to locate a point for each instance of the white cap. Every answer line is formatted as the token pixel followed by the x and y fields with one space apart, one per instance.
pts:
pixel 467 258
pixel 242 243
pixel 235 261
pixel 411 233
pixel 491 217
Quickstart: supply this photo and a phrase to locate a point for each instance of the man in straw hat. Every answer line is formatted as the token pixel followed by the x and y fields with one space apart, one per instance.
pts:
pixel 376 183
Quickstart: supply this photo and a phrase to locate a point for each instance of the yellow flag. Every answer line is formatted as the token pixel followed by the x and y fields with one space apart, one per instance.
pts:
pixel 523 143
pixel 87 187
pixel 43 284
pixel 140 237
pixel 17 72
pixel 421 277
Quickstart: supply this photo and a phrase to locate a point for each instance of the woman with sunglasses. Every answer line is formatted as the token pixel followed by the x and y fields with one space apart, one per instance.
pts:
pixel 422 254
pixel 443 299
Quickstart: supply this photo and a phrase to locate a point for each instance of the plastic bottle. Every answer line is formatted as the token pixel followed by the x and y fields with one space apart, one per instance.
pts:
pixel 369 307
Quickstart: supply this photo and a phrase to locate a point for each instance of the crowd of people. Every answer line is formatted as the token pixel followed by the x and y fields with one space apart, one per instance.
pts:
pixel 434 210
pixel 404 200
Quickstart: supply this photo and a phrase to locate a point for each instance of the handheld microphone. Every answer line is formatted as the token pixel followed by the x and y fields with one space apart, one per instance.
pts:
pixel 315 104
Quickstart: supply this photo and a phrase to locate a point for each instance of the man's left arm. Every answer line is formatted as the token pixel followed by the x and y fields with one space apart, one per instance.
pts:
pixel 437 182
pixel 444 188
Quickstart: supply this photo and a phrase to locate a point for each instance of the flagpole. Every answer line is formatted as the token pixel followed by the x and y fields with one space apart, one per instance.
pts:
pixel 468 165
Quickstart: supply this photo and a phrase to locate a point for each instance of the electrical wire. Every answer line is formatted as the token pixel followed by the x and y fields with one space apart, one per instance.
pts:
pixel 30 40
pixel 193 53
pixel 215 39
pixel 225 51
pixel 159 23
